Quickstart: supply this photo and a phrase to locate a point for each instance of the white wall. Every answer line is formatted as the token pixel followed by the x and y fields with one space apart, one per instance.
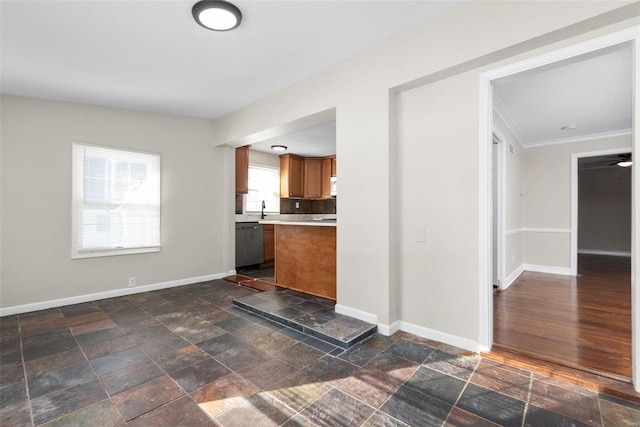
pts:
pixel 36 199
pixel 264 159
pixel 547 199
pixel 513 202
pixel 383 274
pixel 604 210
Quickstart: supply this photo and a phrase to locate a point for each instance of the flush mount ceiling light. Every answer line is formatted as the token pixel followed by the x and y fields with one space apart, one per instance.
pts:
pixel 217 15
pixel 625 164
pixel 279 147
pixel 568 127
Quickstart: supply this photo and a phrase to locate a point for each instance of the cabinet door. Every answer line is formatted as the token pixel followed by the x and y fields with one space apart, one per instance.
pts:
pixel 269 243
pixel 291 176
pixel 242 170
pixel 313 178
pixel 326 177
pixel 334 171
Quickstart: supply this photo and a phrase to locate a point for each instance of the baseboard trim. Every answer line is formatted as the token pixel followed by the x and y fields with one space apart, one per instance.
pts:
pixel 388 330
pixel 565 271
pixel 358 314
pixel 605 253
pixel 26 308
pixel 508 281
pixel 421 331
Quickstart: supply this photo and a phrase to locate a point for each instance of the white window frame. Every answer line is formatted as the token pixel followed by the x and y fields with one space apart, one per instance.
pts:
pixel 274 169
pixel 77 252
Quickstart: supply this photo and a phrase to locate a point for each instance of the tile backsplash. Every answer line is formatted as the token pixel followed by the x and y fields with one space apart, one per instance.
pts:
pixel 324 206
pixel 288 206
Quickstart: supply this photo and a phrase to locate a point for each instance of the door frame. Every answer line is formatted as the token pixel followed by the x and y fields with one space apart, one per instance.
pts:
pixel 574 197
pixel 485 296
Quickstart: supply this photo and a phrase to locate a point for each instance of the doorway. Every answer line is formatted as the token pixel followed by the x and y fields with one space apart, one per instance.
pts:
pixel 486 166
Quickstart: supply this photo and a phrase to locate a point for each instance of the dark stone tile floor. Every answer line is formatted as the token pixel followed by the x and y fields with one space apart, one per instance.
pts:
pixel 312 315
pixel 187 357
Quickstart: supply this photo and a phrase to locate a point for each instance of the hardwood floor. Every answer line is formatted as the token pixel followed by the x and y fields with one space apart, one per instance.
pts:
pixel 583 322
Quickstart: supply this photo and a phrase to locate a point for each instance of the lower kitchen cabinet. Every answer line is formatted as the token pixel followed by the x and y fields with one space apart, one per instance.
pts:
pixel 269 243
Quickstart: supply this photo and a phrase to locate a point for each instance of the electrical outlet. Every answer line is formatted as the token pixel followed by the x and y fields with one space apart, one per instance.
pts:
pixel 132 282
pixel 297 205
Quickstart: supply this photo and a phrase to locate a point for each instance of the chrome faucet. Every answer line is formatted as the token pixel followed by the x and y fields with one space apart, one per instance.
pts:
pixel 262 214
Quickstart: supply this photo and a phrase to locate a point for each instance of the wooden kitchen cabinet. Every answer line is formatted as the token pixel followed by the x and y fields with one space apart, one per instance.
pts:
pixel 313 178
pixel 334 171
pixel 326 177
pixel 242 170
pixel 269 250
pixel 291 176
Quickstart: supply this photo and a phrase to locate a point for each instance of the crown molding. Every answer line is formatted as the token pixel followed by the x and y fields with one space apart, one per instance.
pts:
pixel 599 135
pixel 502 112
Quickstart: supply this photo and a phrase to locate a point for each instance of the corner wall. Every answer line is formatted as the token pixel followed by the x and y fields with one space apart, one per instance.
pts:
pixel 36 200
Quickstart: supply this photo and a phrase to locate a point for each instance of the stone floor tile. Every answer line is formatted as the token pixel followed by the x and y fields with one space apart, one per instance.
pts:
pixel 103 414
pixel 12 373
pixel 564 400
pixel 224 394
pixel 86 340
pixel 200 374
pixel 461 418
pixel 62 402
pixel 220 344
pixel 16 415
pixel 436 384
pixel 370 387
pixel 123 379
pixel 11 394
pixel 298 390
pixel 241 357
pixel 298 421
pixel 380 419
pixel 614 414
pixel 395 367
pixel 299 355
pixel 54 362
pixel 46 383
pixel 258 410
pixel 267 373
pixel 359 355
pixel 115 361
pixel 416 409
pixel 492 406
pixel 274 343
pixel 410 350
pixel 336 408
pixel 541 417
pixel 92 327
pixel 106 347
pixel 461 366
pixel 330 369
pixel 141 399
pixel 509 382
pixel 182 412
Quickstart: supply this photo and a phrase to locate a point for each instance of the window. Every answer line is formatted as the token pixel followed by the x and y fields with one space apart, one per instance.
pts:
pixel 116 202
pixel 264 184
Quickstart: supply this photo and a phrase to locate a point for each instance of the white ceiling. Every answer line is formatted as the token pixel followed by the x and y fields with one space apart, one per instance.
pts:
pixel 315 141
pixel 593 91
pixel 151 55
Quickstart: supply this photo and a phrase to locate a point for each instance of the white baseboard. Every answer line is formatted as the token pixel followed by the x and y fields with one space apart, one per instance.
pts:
pixel 358 314
pixel 508 281
pixel 388 330
pixel 606 253
pixel 547 269
pixel 443 337
pixel 25 308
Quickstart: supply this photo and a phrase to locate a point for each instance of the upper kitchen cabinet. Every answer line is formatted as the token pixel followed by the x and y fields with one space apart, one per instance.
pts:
pixel 313 178
pixel 242 170
pixel 333 167
pixel 327 170
pixel 291 176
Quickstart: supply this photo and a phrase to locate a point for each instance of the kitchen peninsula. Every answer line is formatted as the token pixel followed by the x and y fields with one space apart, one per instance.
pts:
pixel 305 255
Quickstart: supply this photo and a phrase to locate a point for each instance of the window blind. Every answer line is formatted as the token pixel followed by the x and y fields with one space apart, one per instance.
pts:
pixel 116 201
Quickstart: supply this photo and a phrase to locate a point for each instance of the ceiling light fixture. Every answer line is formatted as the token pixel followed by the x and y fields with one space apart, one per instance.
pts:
pixel 279 147
pixel 216 15
pixel 625 163
pixel 568 127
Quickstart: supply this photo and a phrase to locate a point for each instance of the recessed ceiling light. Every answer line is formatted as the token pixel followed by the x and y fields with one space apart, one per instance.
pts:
pixel 279 147
pixel 569 127
pixel 216 15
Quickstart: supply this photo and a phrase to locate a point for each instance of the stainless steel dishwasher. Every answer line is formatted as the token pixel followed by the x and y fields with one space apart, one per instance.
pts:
pixel 249 244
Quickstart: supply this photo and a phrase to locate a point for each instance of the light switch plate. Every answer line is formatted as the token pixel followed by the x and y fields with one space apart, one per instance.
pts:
pixel 421 235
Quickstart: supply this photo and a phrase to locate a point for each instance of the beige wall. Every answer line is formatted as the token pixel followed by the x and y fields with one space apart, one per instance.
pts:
pixel 547 199
pixel 36 199
pixel 265 159
pixel 434 73
pixel 513 200
pixel 604 209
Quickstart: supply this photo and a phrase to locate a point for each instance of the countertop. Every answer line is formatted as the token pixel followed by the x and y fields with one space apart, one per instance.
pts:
pixel 305 222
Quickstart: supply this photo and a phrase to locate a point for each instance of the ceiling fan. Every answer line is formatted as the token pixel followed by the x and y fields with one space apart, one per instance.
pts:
pixel 623 160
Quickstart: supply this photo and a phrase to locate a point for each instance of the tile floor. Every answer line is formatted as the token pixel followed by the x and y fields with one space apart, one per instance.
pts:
pixel 315 316
pixel 186 357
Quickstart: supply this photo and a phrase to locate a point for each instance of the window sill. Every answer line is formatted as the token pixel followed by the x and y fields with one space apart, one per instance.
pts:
pixel 113 252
